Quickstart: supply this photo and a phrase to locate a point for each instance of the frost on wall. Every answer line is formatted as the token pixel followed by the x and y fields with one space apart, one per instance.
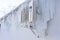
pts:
pixel 33 14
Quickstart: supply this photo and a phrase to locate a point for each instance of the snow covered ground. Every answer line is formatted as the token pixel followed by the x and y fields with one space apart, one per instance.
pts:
pixel 21 33
pixel 54 25
pixel 24 33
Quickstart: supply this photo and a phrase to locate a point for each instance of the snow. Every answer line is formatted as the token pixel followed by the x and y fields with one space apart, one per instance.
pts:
pixel 20 34
pixel 24 33
pixel 7 5
pixel 54 25
pixel 12 34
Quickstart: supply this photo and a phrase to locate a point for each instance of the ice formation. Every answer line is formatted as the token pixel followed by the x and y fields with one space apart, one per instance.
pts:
pixel 32 14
